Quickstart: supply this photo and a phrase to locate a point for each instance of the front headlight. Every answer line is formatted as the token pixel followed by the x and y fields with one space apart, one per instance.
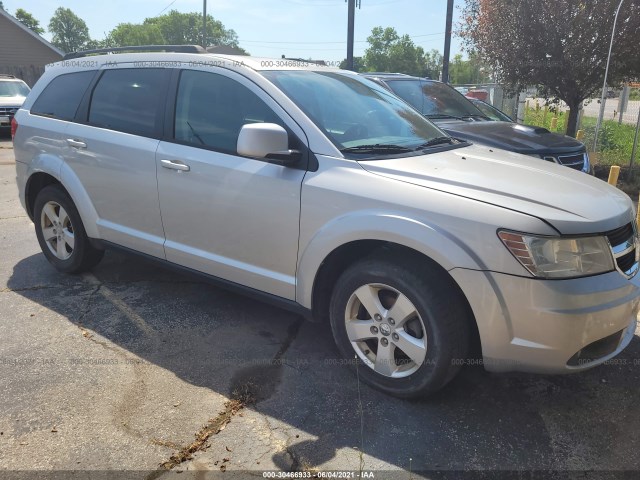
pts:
pixel 560 257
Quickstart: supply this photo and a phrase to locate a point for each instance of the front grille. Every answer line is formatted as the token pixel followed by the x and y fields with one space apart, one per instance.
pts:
pixel 620 235
pixel 8 110
pixel 575 161
pixel 624 247
pixel 626 262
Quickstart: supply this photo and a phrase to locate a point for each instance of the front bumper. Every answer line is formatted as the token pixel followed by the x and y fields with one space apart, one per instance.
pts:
pixel 550 326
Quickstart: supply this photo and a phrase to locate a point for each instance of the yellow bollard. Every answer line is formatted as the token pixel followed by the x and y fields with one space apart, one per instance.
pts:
pixel 613 175
pixel 554 123
pixel 579 135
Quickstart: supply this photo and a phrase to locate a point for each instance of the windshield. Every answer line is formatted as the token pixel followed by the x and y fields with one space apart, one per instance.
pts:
pixel 357 115
pixel 492 112
pixel 434 98
pixel 13 89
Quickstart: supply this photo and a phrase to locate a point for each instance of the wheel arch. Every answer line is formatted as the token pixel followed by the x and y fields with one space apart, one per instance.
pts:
pixel 351 238
pixel 350 253
pixel 53 171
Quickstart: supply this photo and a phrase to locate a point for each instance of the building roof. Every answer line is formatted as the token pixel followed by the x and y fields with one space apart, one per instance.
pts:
pixel 22 26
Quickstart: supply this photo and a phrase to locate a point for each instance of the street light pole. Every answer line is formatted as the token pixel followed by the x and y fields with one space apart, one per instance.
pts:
pixel 603 99
pixel 350 28
pixel 447 42
pixel 204 24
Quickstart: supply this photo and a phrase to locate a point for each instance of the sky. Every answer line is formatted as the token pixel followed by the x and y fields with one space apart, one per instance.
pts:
pixel 295 28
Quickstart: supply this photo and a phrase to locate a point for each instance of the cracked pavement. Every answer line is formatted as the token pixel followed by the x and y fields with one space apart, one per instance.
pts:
pixel 118 369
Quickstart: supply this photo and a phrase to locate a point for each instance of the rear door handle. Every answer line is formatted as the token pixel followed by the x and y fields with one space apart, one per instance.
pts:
pixel 76 143
pixel 175 165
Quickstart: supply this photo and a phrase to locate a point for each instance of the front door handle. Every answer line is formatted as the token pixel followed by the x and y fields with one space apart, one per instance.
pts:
pixel 76 143
pixel 175 165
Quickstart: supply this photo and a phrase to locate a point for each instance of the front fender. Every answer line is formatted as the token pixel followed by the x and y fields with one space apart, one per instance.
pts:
pixel 443 248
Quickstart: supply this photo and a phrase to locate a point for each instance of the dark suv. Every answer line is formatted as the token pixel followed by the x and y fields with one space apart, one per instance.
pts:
pixel 460 118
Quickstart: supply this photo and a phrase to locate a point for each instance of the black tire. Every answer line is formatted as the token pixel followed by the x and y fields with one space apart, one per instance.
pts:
pixel 442 311
pixel 83 256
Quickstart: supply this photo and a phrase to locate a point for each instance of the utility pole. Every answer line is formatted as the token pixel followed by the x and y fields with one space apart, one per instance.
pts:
pixel 603 99
pixel 204 24
pixel 350 26
pixel 447 43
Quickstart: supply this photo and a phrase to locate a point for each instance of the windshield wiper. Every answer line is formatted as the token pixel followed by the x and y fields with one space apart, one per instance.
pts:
pixel 442 115
pixel 195 134
pixel 377 148
pixel 437 141
pixel 476 116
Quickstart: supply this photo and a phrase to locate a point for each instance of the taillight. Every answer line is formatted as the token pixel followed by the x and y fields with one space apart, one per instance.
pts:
pixel 14 127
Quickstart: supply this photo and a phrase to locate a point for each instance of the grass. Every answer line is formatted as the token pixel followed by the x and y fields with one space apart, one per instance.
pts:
pixel 541 116
pixel 615 142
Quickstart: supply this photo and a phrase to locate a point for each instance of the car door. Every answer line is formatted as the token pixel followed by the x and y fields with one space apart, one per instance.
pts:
pixel 233 217
pixel 112 151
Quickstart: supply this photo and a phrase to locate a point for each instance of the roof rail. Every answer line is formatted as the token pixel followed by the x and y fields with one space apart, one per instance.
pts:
pixel 138 48
pixel 302 60
pixel 386 73
pixel 6 75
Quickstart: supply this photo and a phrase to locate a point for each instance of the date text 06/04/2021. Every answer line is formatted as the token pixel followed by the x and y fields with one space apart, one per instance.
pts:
pixel 332 474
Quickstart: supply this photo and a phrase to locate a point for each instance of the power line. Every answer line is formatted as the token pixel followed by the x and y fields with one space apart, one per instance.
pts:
pixel 328 43
pixel 161 11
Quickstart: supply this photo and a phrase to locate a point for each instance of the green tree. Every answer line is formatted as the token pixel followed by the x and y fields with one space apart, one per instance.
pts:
pixel 358 64
pixel 29 21
pixel 186 29
pixel 127 34
pixel 559 45
pixel 433 64
pixel 70 32
pixel 1 5
pixel 389 52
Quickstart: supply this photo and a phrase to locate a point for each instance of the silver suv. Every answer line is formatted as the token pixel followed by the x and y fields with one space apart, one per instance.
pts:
pixel 320 190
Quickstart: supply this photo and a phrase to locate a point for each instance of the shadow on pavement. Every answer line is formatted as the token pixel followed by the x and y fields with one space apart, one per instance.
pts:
pixel 222 341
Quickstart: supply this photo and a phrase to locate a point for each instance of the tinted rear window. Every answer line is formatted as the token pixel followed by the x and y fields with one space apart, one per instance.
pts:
pixel 130 100
pixel 60 99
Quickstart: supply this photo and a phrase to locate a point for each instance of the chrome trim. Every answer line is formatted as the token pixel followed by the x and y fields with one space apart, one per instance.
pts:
pixel 629 245
pixel 583 163
pixel 623 248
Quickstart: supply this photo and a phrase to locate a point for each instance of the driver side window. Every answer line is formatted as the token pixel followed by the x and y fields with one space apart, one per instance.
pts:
pixel 211 109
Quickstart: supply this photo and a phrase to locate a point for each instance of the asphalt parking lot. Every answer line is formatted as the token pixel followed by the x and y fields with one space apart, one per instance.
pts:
pixel 134 368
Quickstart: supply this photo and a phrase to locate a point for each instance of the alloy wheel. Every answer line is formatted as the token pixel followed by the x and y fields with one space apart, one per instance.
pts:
pixel 386 330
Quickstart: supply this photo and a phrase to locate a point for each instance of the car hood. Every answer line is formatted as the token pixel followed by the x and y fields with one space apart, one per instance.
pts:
pixel 12 101
pixel 570 201
pixel 512 136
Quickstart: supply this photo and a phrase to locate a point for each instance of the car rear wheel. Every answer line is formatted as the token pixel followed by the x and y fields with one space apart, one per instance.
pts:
pixel 61 234
pixel 407 326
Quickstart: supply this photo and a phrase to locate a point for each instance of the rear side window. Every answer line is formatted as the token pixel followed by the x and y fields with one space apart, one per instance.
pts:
pixel 130 100
pixel 60 99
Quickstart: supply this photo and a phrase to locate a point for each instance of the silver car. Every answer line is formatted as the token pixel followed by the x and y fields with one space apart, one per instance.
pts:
pixel 13 92
pixel 323 192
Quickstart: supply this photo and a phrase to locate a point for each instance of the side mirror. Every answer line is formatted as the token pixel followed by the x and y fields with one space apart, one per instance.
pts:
pixel 266 140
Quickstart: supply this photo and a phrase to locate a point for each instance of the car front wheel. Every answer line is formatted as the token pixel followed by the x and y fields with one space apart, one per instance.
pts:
pixel 406 325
